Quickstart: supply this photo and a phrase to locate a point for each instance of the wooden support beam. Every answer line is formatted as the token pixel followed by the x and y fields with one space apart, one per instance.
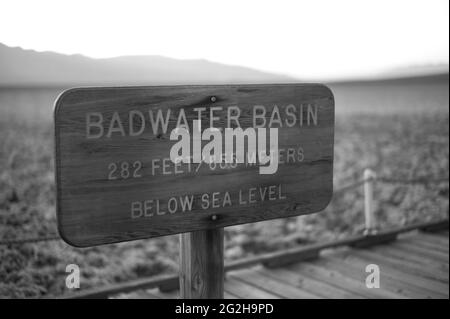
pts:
pixel 202 264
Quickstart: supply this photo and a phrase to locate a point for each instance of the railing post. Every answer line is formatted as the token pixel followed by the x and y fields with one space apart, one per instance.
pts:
pixel 370 221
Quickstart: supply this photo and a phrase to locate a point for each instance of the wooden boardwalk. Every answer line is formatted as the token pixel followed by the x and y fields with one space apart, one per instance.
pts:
pixel 415 265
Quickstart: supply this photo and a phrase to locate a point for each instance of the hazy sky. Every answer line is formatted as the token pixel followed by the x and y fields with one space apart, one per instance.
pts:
pixel 314 38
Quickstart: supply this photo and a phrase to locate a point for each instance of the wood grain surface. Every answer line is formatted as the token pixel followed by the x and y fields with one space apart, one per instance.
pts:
pixel 96 195
pixel 202 264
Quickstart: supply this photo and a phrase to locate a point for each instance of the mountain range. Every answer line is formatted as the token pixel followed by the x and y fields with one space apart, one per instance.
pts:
pixel 29 68
pixel 19 67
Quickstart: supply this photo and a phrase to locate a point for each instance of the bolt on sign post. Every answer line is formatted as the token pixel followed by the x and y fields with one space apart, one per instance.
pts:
pixel 142 162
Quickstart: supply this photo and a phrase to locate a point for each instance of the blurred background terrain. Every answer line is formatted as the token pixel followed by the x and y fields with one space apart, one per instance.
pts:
pixel 396 123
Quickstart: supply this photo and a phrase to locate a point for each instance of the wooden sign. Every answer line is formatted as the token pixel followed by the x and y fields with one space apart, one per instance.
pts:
pixel 116 180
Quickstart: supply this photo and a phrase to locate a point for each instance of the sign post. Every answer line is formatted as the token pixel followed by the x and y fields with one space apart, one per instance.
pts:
pixel 202 264
pixel 135 162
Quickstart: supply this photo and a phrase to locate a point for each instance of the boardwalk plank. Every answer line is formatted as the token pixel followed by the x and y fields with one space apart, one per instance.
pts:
pixel 419 282
pixel 357 272
pixel 421 251
pixel 227 295
pixel 332 277
pixel 408 257
pixel 174 294
pixel 411 267
pixel 428 245
pixel 414 266
pixel 244 290
pixel 138 294
pixel 434 238
pixel 294 275
pixel 443 234
pixel 262 279
pixel 416 286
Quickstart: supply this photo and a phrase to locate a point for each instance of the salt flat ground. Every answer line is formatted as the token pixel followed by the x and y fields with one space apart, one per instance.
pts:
pixel 399 128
